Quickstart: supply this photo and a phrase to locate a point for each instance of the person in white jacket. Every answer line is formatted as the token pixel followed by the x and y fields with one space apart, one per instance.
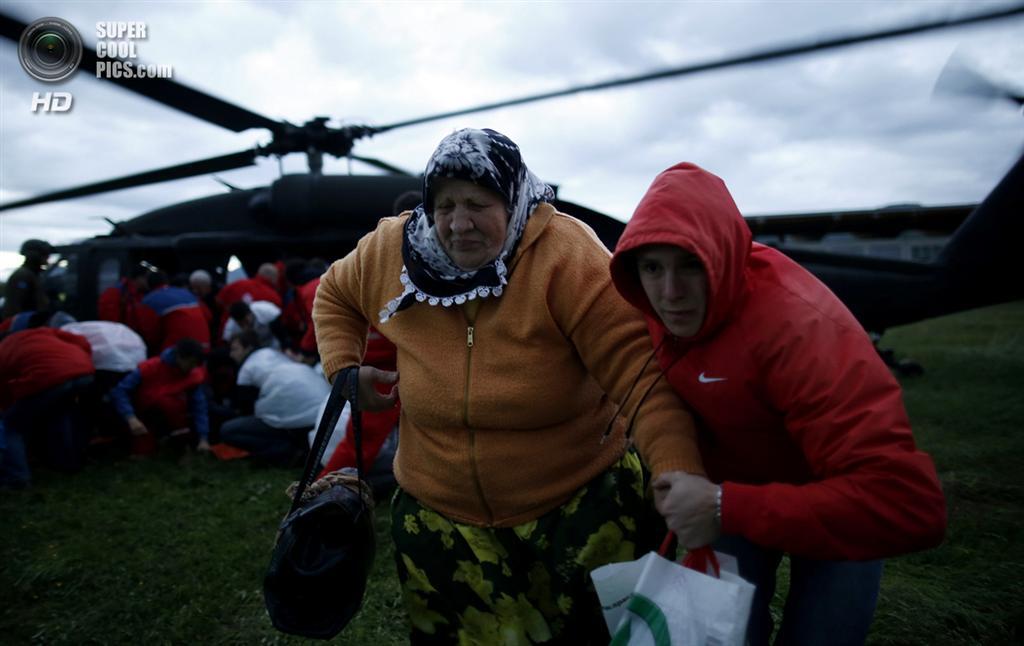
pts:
pixel 287 395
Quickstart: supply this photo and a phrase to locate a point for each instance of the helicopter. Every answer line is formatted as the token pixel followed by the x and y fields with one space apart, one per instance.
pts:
pixel 314 214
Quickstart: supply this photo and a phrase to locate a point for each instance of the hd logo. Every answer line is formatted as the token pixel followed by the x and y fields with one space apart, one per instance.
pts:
pixel 51 101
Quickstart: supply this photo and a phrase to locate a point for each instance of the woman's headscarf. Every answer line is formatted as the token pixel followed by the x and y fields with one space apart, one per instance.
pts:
pixel 486 158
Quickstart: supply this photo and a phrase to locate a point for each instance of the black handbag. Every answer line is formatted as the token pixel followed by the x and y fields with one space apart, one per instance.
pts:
pixel 325 547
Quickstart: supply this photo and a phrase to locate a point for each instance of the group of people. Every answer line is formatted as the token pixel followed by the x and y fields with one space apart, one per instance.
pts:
pixel 167 360
pixel 554 394
pixel 561 405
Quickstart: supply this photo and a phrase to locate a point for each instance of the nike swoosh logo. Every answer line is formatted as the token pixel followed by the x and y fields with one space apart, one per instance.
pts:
pixel 708 380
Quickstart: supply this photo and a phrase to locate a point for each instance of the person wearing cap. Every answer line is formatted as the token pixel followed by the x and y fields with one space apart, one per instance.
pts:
pixel 24 291
pixel 802 426
pixel 516 473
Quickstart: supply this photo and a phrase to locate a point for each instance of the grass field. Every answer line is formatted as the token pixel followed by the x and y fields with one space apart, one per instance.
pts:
pixel 172 550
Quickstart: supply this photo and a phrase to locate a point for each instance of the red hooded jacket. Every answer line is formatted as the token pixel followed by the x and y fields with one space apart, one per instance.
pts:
pixel 799 418
pixel 382 354
pixel 305 296
pixel 35 360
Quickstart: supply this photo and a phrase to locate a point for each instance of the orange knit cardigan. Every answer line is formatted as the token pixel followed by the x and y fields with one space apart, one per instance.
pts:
pixel 503 410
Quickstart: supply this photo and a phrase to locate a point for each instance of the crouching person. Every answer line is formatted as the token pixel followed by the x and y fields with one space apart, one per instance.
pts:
pixel 162 395
pixel 801 424
pixel 43 372
pixel 285 396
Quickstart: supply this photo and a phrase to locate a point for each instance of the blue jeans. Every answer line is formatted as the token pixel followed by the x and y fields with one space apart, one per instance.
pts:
pixel 829 603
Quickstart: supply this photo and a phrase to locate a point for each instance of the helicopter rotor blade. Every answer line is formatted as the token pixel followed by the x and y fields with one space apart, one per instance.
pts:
pixel 394 170
pixel 958 78
pixel 756 57
pixel 164 90
pixel 179 171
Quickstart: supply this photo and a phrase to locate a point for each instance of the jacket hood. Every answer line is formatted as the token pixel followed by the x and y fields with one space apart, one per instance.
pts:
pixel 688 207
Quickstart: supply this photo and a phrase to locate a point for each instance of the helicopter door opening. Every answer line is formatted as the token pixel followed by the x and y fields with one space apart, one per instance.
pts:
pixel 108 275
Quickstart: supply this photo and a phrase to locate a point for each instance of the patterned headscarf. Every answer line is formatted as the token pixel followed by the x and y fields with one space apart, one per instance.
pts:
pixel 486 158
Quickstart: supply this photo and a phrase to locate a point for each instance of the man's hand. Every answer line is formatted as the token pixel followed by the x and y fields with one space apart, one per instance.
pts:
pixel 371 399
pixel 688 504
pixel 136 426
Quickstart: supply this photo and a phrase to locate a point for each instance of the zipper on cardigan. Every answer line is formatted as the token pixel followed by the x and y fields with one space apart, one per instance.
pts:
pixel 465 420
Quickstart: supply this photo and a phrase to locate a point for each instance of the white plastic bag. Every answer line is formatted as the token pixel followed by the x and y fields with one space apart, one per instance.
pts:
pixel 655 601
pixel 115 346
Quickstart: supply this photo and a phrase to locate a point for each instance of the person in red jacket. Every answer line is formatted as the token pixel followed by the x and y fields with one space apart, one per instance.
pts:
pixel 263 287
pixel 122 303
pixel 163 394
pixel 43 372
pixel 178 314
pixel 377 426
pixel 802 425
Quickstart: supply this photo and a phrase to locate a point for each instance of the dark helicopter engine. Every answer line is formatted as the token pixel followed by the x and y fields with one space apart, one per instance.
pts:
pixel 302 202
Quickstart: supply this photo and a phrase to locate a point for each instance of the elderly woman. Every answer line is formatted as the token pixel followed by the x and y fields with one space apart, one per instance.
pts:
pixel 515 355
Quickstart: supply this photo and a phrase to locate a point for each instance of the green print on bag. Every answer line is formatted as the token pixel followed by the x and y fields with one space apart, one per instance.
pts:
pixel 651 615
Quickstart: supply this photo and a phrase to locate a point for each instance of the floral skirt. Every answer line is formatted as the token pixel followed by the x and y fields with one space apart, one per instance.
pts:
pixel 527 584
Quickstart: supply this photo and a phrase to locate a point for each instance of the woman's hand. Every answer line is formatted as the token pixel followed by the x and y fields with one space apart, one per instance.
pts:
pixel 371 399
pixel 688 504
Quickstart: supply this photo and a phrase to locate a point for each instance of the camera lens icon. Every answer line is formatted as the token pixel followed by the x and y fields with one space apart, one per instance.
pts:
pixel 50 49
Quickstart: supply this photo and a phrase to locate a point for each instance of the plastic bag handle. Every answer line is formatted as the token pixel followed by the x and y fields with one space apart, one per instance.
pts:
pixel 696 559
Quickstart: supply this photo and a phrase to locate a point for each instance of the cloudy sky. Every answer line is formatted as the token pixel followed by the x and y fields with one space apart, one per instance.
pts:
pixel 856 127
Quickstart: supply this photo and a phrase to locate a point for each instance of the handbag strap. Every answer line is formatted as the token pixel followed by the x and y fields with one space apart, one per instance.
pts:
pixel 335 403
pixel 698 559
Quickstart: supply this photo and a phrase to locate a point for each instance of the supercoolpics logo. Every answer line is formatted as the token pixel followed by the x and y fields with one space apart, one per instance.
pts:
pixel 117 52
pixel 50 50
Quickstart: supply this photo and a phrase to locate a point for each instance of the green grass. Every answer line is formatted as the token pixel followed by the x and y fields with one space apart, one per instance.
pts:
pixel 172 550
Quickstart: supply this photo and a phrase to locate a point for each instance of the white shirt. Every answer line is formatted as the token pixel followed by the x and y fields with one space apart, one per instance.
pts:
pixel 290 392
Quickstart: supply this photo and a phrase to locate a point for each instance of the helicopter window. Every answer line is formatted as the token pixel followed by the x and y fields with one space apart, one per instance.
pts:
pixel 108 274
pixel 924 252
pixel 235 269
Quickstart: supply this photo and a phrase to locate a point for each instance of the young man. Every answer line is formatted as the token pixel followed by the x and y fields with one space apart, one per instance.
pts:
pixel 285 396
pixel 800 421
pixel 262 317
pixel 167 391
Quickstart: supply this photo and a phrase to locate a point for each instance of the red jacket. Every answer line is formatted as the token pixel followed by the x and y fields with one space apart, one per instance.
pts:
pixel 122 303
pixel 161 379
pixel 249 290
pixel 305 295
pixel 382 354
pixel 180 316
pixel 35 360
pixel 799 418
